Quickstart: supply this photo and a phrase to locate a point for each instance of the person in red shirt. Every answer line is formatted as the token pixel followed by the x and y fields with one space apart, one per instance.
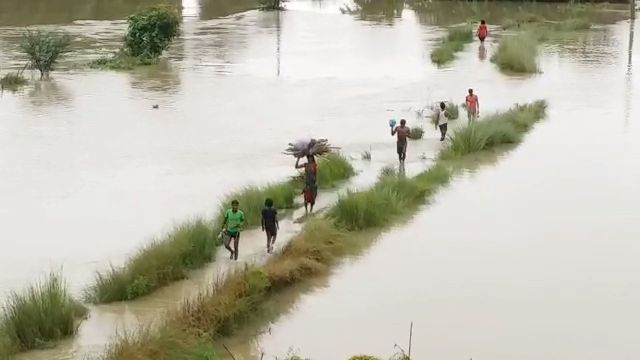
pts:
pixel 483 31
pixel 473 106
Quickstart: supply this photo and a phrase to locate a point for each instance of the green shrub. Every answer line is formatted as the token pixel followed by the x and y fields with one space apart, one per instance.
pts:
pixel 517 54
pixel 417 133
pixel 188 246
pixel 151 31
pixel 43 49
pixel 43 313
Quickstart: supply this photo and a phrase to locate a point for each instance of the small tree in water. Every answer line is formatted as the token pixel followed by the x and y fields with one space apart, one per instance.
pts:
pixel 43 49
pixel 151 31
pixel 271 4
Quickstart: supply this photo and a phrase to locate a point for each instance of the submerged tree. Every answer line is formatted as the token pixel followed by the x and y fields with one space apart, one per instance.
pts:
pixel 151 31
pixel 43 49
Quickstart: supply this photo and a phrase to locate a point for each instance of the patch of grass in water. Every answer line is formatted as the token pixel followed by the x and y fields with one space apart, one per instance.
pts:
pixel 122 61
pixel 161 262
pixel 517 54
pixel 498 129
pixel 454 42
pixel 333 169
pixel 43 313
pixel 417 133
pixel 13 81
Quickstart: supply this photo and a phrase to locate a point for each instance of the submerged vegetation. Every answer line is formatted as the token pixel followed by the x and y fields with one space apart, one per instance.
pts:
pixel 193 244
pixel 43 313
pixel 271 5
pixel 149 34
pixel 417 133
pixel 43 48
pixel 13 81
pixel 161 262
pixel 457 37
pixel 517 54
pixel 233 301
pixel 498 129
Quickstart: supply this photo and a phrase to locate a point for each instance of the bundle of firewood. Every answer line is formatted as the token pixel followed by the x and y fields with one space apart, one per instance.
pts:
pixel 315 147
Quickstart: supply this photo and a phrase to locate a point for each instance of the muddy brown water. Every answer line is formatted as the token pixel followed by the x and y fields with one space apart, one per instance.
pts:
pixel 533 257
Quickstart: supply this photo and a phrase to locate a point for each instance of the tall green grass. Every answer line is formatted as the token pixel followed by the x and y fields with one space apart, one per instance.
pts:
pixel 333 169
pixel 517 54
pixel 159 263
pixel 235 300
pixel 454 42
pixel 43 313
pixel 498 129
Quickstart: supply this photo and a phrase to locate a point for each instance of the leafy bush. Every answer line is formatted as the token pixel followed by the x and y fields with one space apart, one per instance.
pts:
pixel 45 312
pixel 517 54
pixel 417 133
pixel 151 31
pixel 43 49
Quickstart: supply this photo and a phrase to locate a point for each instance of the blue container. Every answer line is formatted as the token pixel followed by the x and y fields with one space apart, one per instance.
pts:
pixel 392 122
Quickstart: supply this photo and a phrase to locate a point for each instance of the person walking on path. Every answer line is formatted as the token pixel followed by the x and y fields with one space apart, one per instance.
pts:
pixel 232 224
pixel 270 223
pixel 403 132
pixel 483 31
pixel 473 106
pixel 310 191
pixel 442 121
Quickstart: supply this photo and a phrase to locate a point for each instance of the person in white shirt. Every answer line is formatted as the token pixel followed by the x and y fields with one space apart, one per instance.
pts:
pixel 443 120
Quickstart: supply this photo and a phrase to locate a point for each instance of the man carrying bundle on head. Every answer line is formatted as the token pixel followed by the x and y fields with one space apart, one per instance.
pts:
pixel 310 190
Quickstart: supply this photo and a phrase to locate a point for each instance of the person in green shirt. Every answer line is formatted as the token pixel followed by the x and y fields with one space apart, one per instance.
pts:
pixel 232 224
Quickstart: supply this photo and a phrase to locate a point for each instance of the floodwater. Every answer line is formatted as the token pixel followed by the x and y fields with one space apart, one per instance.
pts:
pixel 533 257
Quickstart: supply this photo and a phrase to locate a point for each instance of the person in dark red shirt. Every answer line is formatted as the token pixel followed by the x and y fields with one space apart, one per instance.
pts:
pixel 310 191
pixel 483 31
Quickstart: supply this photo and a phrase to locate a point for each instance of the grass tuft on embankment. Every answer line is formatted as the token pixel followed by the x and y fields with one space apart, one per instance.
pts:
pixel 454 42
pixel 498 129
pixel 348 227
pixel 43 313
pixel 517 54
pixel 161 262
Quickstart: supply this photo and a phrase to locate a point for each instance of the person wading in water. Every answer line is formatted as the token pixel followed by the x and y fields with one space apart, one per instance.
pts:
pixel 310 182
pixel 473 107
pixel 403 132
pixel 442 120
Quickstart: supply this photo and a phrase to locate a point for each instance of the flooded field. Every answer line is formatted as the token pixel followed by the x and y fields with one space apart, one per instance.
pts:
pixel 533 257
